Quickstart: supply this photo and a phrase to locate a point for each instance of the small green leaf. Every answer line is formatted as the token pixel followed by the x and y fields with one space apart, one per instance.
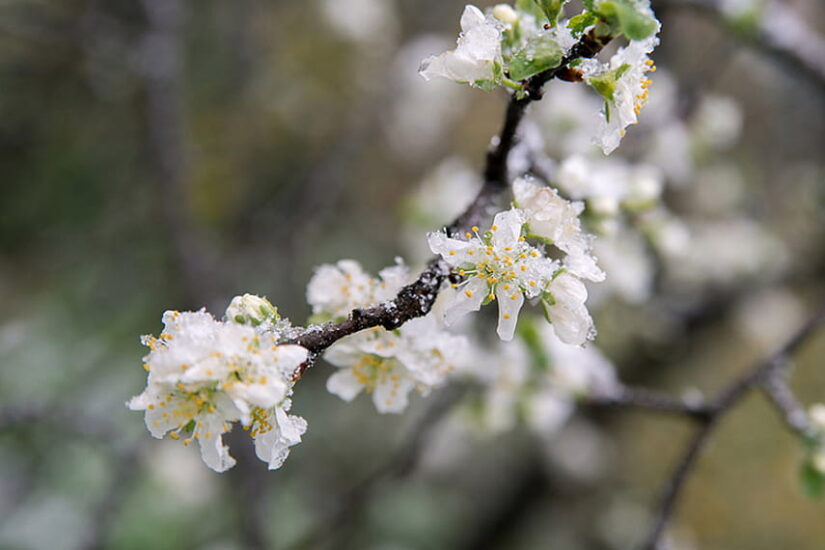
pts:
pixel 812 479
pixel 189 426
pixel 605 83
pixel 551 9
pixel 540 54
pixel 578 23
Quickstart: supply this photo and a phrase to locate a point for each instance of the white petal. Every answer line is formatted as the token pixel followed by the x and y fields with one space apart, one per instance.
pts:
pixel 508 228
pixel 215 454
pixel 508 310
pixel 467 299
pixel 471 17
pixel 390 396
pixel 344 384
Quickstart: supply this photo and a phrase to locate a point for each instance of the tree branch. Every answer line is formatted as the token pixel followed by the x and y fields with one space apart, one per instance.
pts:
pixel 766 370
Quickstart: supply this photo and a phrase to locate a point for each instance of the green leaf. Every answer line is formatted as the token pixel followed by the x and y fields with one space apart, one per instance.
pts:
pixel 547 300
pixel 530 7
pixel 605 83
pixel 623 16
pixel 551 9
pixel 578 23
pixel 589 4
pixel 540 54
pixel 812 479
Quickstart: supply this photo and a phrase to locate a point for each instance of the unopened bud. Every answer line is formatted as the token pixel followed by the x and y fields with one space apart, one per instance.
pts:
pixel 251 309
pixel 505 14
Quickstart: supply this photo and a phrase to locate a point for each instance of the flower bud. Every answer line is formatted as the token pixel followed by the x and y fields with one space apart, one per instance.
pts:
pixel 251 309
pixel 505 14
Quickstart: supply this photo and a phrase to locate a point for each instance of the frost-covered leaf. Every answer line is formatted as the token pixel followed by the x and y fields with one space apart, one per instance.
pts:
pixel 625 17
pixel 540 54
pixel 578 23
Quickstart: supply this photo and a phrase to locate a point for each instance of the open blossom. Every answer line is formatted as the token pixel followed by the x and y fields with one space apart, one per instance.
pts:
pixel 478 55
pixel 387 364
pixel 500 266
pixel 205 374
pixel 624 85
pixel 556 220
pixel 335 290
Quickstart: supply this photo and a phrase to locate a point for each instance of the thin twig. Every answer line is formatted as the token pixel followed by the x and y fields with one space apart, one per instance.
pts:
pixel 649 400
pixel 764 370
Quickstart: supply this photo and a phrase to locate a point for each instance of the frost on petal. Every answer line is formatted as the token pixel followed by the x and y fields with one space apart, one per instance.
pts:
pixel 215 454
pixel 477 52
pixel 509 305
pixel 567 312
pixel 277 432
pixel 468 299
pixel 507 228
pixel 454 251
pixel 392 396
pixel 344 384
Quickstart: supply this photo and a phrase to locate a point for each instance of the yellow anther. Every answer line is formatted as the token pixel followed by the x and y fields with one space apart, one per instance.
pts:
pixel 649 62
pixel 491 296
pixel 471 252
pixel 174 436
pixel 521 239
pixel 506 287
pixel 454 285
pixel 474 228
pixel 468 293
pixel 452 252
pixel 494 228
pixel 514 297
pixel 524 268
pixel 145 366
pixel 151 407
pixel 468 234
pixel 532 283
pixel 184 367
pixel 506 316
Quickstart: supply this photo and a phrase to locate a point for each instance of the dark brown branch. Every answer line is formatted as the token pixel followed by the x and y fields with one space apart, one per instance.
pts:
pixel 762 371
pixel 776 389
pixel 417 298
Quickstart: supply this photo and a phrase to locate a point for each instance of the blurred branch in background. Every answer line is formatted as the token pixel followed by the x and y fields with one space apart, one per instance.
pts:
pixel 782 34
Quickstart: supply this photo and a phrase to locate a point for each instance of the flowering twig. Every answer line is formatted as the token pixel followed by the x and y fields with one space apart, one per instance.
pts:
pixel 416 299
pixel 765 370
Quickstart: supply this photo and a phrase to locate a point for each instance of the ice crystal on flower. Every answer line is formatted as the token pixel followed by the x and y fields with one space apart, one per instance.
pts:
pixel 477 55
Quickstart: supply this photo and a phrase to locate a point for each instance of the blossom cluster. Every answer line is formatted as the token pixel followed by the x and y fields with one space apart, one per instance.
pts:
pixel 205 374
pixel 507 45
pixel 509 264
pixel 387 364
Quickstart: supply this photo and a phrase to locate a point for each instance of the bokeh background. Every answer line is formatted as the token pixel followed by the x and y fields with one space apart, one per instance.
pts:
pixel 170 154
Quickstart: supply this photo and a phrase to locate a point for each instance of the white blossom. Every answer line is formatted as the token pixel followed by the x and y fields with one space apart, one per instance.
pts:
pixel 205 374
pixel 335 290
pixel 556 220
pixel 567 311
pixel 478 55
pixel 501 266
pixel 389 364
pixel 624 90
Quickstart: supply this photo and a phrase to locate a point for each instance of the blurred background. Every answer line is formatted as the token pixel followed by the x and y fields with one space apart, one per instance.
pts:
pixel 170 154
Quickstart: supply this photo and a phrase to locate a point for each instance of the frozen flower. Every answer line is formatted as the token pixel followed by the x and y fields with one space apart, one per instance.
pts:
pixel 623 85
pixel 335 290
pixel 556 220
pixel 389 364
pixel 478 55
pixel 564 307
pixel 205 374
pixel 275 432
pixel 500 266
